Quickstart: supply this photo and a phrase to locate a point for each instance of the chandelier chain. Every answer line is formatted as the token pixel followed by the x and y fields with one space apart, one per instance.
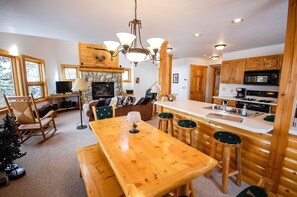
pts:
pixel 135 9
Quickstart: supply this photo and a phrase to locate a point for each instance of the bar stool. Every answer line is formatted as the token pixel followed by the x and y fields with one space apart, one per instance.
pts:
pixel 164 119
pixel 227 140
pixel 185 126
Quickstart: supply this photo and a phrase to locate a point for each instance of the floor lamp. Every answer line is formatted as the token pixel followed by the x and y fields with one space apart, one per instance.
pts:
pixel 80 85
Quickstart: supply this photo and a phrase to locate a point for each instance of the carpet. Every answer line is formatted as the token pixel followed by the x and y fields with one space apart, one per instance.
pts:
pixel 53 170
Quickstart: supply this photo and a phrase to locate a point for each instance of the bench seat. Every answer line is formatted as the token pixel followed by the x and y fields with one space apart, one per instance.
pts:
pixel 98 176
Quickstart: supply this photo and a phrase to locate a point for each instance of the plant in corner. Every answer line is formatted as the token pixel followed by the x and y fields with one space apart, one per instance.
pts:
pixel 10 150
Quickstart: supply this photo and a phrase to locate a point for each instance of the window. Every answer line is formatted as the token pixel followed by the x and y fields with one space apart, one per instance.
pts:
pixel 69 72
pixel 126 76
pixel 34 73
pixel 9 78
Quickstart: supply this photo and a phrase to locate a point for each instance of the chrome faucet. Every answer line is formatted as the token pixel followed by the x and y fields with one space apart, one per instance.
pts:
pixel 224 103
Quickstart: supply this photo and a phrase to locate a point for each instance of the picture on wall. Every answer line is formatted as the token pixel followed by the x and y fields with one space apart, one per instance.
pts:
pixel 175 78
pixel 137 80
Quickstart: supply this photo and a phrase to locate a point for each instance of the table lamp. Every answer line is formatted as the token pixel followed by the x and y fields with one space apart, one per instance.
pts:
pixel 154 91
pixel 80 85
pixel 134 116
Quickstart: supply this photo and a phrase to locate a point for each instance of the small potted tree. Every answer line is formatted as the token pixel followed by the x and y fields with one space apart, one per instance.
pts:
pixel 10 150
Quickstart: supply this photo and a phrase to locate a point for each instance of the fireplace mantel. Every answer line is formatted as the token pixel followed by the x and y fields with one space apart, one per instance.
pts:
pixel 95 68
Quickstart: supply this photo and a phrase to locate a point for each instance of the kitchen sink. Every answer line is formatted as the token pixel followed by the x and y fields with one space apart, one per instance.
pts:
pixel 233 110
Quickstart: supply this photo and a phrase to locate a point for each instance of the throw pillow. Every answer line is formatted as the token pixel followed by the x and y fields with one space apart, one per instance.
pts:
pixel 101 102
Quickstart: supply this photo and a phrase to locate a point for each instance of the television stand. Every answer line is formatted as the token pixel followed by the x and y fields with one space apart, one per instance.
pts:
pixel 59 98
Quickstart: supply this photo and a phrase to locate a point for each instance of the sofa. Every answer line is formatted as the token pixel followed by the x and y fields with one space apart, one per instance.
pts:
pixel 146 110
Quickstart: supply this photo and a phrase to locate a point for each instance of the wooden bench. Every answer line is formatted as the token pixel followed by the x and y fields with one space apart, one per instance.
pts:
pixel 97 174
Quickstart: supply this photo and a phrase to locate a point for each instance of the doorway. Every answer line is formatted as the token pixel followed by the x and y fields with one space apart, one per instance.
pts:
pixel 215 81
pixel 198 79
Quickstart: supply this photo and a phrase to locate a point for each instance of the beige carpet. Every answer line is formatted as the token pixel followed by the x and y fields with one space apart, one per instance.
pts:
pixel 53 170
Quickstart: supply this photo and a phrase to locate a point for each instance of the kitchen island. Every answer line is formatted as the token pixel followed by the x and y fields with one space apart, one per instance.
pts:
pixel 254 131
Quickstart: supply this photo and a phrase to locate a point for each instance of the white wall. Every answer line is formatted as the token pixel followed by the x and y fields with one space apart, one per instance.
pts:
pixel 53 52
pixel 230 89
pixel 182 67
pixel 261 51
pixel 148 75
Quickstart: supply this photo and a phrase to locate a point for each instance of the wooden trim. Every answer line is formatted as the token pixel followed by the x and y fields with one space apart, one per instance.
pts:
pixel 16 71
pixel 115 70
pixel 42 71
pixel 286 99
pixel 63 66
pixel 213 67
pixel 129 76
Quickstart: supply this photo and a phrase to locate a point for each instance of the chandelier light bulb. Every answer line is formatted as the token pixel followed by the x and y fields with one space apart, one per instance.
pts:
pixel 126 38
pixel 111 45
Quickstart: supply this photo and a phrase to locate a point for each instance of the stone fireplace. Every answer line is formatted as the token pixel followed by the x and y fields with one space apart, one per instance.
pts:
pixel 90 77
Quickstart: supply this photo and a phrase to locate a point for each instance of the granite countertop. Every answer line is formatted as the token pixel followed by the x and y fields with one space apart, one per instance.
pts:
pixel 238 99
pixel 254 124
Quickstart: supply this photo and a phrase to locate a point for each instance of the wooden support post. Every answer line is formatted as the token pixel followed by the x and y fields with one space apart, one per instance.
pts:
pixel 286 100
pixel 165 71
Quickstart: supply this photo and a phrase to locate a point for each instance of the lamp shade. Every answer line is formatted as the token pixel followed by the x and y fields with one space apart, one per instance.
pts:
pixel 80 84
pixel 155 43
pixel 111 45
pixel 135 56
pixel 126 38
pixel 154 89
pixel 133 116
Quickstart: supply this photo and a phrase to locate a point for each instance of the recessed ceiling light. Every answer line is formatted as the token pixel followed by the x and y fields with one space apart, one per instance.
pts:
pixel 196 35
pixel 237 20
pixel 169 49
pixel 204 55
pixel 214 57
pixel 220 47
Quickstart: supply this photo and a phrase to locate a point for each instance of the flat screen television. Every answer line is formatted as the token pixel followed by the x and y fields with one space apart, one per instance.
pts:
pixel 63 86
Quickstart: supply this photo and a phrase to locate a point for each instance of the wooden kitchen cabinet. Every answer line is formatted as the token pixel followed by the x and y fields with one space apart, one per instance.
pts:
pixel 233 71
pixel 254 63
pixel 271 62
pixel 217 101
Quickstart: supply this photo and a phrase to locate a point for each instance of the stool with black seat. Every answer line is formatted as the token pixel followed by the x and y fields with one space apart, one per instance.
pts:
pixel 260 190
pixel 165 122
pixel 227 140
pixel 184 126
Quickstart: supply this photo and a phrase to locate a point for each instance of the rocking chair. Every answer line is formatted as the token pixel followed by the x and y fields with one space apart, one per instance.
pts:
pixel 20 108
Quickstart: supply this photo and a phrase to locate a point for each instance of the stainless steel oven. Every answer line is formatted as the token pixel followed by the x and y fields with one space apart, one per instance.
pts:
pixel 270 77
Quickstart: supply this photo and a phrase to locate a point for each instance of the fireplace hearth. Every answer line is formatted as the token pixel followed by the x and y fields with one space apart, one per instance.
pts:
pixel 102 90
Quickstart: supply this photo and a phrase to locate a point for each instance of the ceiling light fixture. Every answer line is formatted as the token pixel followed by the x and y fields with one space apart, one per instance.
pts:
pixel 196 35
pixel 220 47
pixel 134 52
pixel 214 57
pixel 169 49
pixel 237 20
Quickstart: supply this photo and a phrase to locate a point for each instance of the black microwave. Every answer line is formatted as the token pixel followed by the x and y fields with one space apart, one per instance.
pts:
pixel 269 77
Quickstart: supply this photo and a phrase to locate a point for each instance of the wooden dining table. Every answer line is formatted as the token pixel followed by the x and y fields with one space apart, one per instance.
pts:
pixel 151 162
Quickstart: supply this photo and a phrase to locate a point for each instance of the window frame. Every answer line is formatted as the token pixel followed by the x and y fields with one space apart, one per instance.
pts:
pixel 16 72
pixel 42 72
pixel 129 75
pixel 63 66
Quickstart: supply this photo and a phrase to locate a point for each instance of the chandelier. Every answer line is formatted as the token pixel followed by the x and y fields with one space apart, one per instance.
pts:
pixel 132 45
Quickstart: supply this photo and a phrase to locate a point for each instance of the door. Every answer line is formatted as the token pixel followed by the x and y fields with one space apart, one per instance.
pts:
pixel 198 82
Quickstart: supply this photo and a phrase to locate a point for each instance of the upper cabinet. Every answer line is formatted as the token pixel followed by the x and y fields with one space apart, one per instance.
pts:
pixel 271 62
pixel 233 71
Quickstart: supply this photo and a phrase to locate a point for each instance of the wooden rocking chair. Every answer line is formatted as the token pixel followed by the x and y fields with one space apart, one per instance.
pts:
pixel 20 109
